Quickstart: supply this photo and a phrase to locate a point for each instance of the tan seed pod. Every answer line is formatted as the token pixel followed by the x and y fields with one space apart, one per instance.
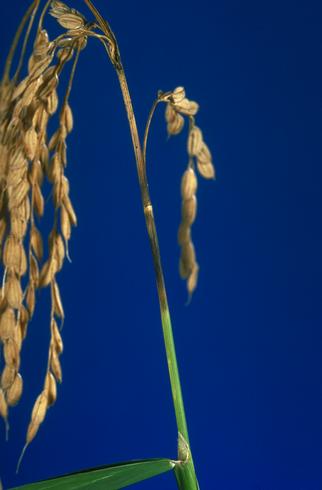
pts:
pixel 30 92
pixel 188 256
pixel 81 43
pixel 17 194
pixel 31 143
pixel 37 417
pixel 18 226
pixel 187 107
pixel 48 272
pixel 36 242
pixel 183 270
pixel 39 202
pixel 65 186
pixel 7 324
pixel 36 173
pixel 50 389
pixel 58 8
pixel 58 342
pixel 14 256
pixel 206 170
pixel 55 169
pixel 24 209
pixel 193 279
pixel 66 42
pixel 10 353
pixel 14 393
pixel 52 102
pixel 54 140
pixel 29 112
pixel 41 44
pixel 183 234
pixel 40 119
pixel 13 291
pixel 176 126
pixel 67 118
pixel 22 266
pixel 178 95
pixel 59 250
pixel 3 406
pixel 49 84
pixel 204 155
pixel 55 365
pixel 56 298
pixel 189 184
pixel 189 210
pixel 18 337
pixel 11 252
pixel 44 155
pixel 70 210
pixel 39 409
pixel 71 21
pixel 8 377
pixel 195 141
pixel 62 149
pixel 170 113
pixel 3 302
pixel 65 223
pixel 16 173
pixel 23 321
pixel 34 270
pixel 31 298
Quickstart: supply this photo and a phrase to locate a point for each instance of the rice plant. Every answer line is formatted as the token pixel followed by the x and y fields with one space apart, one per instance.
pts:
pixel 33 159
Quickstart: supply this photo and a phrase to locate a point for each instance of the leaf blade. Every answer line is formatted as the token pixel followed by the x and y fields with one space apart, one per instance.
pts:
pixel 111 477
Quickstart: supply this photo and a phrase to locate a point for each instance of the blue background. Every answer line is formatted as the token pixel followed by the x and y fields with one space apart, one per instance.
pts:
pixel 250 343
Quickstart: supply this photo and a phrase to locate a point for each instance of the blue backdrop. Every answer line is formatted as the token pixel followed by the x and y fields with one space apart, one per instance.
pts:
pixel 250 343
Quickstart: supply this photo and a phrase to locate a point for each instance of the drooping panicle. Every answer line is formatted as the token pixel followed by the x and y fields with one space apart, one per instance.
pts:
pixel 179 106
pixel 29 157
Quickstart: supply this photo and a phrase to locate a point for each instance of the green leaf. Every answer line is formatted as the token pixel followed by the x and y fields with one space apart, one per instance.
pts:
pixel 110 477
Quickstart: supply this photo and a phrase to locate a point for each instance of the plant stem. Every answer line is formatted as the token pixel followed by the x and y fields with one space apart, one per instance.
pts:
pixel 185 471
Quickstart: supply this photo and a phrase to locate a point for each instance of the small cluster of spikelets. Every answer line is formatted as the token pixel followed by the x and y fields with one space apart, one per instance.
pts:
pixel 28 158
pixel 199 157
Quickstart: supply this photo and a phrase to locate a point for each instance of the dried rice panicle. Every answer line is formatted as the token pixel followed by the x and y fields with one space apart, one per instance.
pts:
pixel 53 161
pixel 178 106
pixel 29 156
pixel 188 266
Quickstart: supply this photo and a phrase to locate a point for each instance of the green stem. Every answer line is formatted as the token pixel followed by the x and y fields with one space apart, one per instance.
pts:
pixel 185 471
